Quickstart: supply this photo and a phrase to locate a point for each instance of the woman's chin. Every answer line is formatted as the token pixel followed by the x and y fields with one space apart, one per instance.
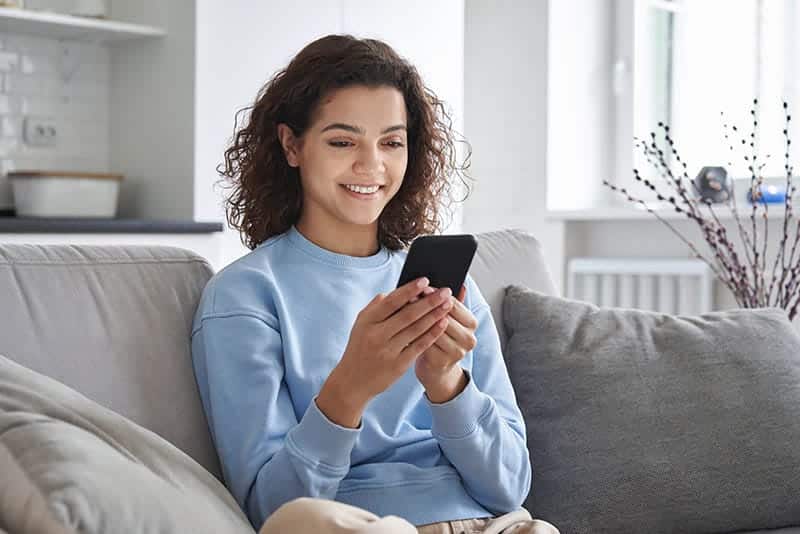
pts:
pixel 363 221
pixel 361 217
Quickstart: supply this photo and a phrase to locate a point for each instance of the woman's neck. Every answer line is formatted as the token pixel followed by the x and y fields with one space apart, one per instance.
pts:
pixel 342 238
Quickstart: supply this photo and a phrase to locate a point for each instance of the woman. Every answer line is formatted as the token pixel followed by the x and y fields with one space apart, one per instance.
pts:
pixel 337 402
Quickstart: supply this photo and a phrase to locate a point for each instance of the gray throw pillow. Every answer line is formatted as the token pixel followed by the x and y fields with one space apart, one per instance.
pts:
pixel 645 422
pixel 95 470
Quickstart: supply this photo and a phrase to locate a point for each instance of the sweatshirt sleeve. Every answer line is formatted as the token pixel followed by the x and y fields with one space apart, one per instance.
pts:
pixel 481 431
pixel 268 457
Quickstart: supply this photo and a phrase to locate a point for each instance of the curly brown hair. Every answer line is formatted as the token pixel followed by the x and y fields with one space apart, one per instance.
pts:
pixel 267 196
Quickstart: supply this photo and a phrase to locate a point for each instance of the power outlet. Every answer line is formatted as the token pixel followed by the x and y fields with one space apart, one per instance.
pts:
pixel 40 131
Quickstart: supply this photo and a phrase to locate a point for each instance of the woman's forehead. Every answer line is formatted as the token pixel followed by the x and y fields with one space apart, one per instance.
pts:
pixel 369 109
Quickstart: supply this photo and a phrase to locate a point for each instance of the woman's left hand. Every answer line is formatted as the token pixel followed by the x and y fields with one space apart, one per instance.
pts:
pixel 438 368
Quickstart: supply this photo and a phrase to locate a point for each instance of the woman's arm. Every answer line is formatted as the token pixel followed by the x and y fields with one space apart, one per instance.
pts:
pixel 481 431
pixel 268 457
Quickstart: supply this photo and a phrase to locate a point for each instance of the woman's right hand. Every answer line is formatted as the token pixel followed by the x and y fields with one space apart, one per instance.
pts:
pixel 389 334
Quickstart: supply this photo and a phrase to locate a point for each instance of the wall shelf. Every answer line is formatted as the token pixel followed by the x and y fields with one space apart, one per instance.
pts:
pixel 58 26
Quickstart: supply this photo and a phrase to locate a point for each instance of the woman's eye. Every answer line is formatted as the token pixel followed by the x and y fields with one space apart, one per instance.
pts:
pixel 345 144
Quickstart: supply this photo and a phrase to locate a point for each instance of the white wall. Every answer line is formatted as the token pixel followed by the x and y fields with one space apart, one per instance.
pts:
pixel 266 35
pixel 579 80
pixel 152 111
pixel 505 102
pixel 443 32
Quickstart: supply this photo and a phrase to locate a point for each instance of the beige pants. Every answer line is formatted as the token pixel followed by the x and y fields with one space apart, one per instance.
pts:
pixel 321 516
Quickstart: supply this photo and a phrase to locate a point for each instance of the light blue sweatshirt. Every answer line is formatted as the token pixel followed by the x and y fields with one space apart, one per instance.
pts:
pixel 270 328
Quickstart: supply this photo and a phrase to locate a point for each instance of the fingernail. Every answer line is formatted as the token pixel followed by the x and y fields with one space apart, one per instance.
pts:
pixel 422 282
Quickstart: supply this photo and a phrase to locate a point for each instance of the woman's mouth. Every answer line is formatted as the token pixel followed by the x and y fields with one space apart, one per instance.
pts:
pixel 362 192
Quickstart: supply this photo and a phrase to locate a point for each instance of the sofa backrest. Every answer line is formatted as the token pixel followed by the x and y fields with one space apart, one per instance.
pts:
pixel 508 257
pixel 113 322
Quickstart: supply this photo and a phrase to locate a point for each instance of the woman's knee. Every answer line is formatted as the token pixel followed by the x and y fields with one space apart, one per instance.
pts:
pixel 306 514
pixel 300 511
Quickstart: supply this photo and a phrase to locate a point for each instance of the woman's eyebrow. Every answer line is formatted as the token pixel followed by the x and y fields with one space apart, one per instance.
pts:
pixel 359 130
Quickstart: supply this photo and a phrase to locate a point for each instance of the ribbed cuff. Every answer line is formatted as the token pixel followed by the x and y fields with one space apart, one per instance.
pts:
pixel 321 442
pixel 459 417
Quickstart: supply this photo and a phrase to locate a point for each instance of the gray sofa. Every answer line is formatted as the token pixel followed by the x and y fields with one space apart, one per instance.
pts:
pixel 113 323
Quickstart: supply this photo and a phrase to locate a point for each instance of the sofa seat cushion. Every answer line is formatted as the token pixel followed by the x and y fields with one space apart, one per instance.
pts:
pixel 98 471
pixel 645 422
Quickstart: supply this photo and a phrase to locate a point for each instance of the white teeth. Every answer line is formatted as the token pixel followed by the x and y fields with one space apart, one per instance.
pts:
pixel 363 190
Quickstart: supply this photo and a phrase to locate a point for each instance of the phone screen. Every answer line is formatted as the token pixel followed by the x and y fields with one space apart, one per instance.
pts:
pixel 443 259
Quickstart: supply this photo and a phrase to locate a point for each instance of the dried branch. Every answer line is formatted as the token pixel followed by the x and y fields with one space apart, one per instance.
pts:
pixel 748 278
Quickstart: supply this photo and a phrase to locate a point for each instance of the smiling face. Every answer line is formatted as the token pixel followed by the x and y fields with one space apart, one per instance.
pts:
pixel 351 159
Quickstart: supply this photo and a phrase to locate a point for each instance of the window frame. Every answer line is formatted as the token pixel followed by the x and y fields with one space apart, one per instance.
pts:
pixel 626 18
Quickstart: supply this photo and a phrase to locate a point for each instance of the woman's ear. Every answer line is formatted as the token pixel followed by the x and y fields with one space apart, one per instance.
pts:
pixel 290 145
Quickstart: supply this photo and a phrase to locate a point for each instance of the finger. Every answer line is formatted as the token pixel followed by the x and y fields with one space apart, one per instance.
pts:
pixel 398 298
pixel 436 358
pixel 446 342
pixel 423 343
pixel 456 338
pixel 425 292
pixel 407 335
pixel 462 294
pixel 413 312
pixel 461 313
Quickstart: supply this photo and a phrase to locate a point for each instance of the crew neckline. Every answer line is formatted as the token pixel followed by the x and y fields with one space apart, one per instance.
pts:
pixel 334 258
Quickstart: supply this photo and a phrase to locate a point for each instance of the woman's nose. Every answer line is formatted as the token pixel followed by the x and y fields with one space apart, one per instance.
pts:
pixel 369 161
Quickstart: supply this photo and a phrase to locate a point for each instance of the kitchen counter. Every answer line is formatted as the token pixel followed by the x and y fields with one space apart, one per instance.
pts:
pixel 31 225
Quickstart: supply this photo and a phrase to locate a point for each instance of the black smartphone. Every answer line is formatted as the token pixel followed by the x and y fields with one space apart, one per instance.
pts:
pixel 443 259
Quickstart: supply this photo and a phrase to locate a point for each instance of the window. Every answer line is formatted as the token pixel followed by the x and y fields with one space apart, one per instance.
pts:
pixel 693 59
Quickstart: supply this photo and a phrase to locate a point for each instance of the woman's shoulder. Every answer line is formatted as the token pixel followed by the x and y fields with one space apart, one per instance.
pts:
pixel 253 267
pixel 247 284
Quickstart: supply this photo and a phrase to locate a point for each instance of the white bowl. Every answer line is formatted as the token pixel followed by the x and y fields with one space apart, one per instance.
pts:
pixel 64 194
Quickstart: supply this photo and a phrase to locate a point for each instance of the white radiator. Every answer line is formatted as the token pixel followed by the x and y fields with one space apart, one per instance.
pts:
pixel 676 286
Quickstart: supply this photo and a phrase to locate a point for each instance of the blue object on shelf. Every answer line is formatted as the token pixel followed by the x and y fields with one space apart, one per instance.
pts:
pixel 770 194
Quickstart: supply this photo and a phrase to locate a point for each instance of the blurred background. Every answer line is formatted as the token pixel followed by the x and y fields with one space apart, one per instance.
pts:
pixel 131 105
